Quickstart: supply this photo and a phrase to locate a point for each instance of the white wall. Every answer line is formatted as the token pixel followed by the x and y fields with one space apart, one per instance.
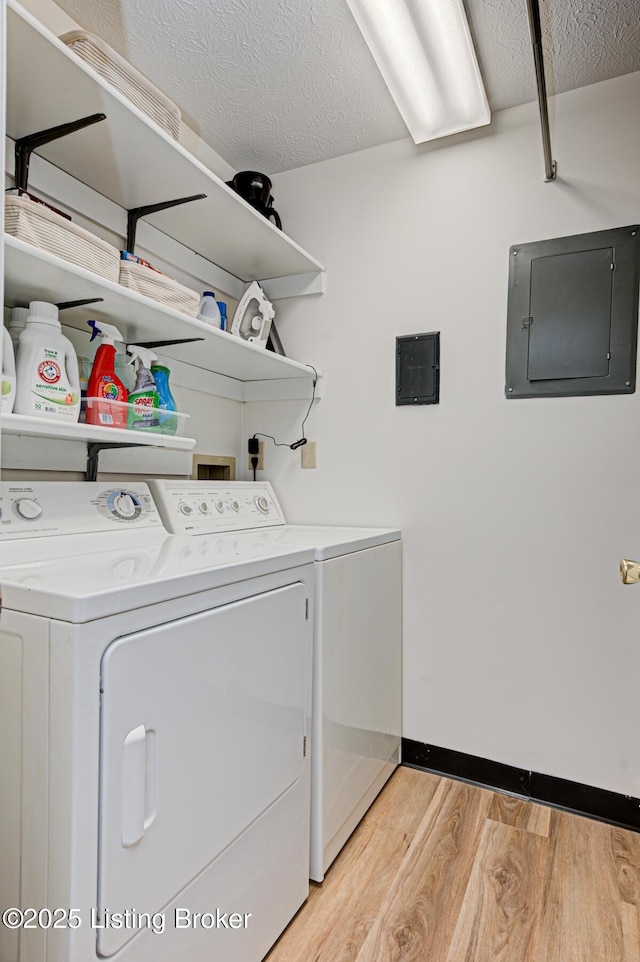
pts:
pixel 521 645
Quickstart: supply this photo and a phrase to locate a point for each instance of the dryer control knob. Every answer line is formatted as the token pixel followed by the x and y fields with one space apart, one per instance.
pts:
pixel 262 504
pixel 125 505
pixel 28 509
pixel 220 506
pixel 186 509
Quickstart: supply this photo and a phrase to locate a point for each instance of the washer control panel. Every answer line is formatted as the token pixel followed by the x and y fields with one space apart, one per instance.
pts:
pixel 37 510
pixel 208 507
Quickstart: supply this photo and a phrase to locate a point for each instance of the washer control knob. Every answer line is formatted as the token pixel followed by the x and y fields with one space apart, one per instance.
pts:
pixel 28 509
pixel 262 504
pixel 125 505
pixel 220 506
pixel 204 507
pixel 186 509
pixel 235 505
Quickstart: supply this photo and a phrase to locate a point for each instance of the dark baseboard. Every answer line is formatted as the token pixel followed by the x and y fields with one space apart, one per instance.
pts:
pixel 585 800
pixel 445 761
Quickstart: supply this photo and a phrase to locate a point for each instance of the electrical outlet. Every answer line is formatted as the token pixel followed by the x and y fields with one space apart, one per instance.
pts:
pixel 308 455
pixel 260 466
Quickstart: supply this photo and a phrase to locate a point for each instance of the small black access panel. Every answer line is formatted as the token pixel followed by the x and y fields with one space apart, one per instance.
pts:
pixel 418 369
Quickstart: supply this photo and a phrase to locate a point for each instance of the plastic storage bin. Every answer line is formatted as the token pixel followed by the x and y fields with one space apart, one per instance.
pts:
pixel 113 413
pixel 126 79
pixel 144 280
pixel 37 225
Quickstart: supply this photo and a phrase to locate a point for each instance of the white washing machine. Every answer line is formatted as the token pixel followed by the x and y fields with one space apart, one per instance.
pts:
pixel 154 714
pixel 356 724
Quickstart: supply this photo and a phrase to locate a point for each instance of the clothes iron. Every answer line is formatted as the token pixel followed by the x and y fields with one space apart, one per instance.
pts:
pixel 253 316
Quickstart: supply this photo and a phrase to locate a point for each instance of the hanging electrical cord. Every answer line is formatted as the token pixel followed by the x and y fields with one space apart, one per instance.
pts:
pixel 254 444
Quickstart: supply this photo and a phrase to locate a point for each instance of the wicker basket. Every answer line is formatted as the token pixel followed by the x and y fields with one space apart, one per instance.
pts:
pixel 126 79
pixel 161 288
pixel 37 225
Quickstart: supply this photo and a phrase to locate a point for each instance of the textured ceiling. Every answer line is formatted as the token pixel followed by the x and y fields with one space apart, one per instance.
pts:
pixel 277 84
pixel 585 41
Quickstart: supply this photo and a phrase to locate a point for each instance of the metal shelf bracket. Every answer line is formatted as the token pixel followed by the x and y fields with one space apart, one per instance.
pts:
pixel 24 146
pixel 134 215
pixel 93 455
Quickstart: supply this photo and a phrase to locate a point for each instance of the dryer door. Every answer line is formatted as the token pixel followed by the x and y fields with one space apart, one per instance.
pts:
pixel 202 728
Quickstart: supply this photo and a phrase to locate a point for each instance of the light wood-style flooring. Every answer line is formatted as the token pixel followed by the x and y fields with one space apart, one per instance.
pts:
pixel 442 871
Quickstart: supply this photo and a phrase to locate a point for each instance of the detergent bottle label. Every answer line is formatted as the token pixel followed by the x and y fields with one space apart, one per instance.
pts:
pixel 143 412
pixel 8 392
pixel 110 410
pixel 51 392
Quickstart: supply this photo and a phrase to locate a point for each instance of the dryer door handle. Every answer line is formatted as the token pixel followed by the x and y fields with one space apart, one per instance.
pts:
pixel 138 784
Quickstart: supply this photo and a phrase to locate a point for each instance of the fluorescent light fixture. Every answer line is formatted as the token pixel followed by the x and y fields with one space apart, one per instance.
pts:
pixel 424 51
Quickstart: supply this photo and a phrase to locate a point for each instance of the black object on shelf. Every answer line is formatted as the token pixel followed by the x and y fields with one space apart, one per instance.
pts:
pixel 134 215
pixel 274 343
pixel 26 145
pixel 255 188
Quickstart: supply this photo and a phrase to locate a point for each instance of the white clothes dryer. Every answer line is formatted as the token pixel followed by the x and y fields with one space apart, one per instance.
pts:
pixel 356 724
pixel 154 715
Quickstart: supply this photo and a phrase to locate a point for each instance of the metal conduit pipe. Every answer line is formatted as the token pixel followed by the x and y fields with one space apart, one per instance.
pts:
pixel 550 167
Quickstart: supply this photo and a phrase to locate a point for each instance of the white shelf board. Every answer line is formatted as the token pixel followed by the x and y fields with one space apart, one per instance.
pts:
pixel 32 274
pixel 26 426
pixel 130 160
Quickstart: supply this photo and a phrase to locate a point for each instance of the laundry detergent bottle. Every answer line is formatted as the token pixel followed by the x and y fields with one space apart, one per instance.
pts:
pixel 144 402
pixel 16 325
pixel 166 402
pixel 48 385
pixel 208 311
pixel 104 385
pixel 8 396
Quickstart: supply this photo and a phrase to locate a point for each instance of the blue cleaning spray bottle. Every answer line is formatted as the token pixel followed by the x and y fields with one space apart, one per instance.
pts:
pixel 167 405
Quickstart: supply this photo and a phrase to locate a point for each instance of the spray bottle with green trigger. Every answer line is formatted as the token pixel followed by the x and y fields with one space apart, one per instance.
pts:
pixel 143 400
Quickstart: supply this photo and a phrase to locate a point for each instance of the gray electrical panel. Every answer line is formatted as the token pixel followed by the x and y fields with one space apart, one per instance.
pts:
pixel 572 322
